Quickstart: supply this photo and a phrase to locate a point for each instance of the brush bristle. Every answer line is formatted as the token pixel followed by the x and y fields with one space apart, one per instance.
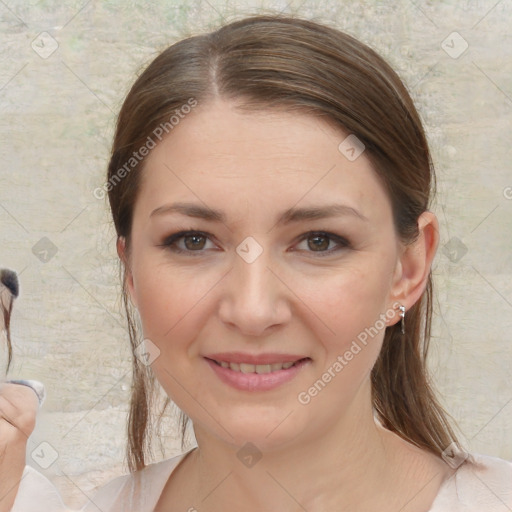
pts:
pixel 10 280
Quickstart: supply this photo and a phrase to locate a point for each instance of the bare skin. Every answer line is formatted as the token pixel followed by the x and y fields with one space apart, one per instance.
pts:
pixel 18 409
pixel 399 477
pixel 328 453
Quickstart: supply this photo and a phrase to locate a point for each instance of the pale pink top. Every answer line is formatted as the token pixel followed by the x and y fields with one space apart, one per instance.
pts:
pixel 481 484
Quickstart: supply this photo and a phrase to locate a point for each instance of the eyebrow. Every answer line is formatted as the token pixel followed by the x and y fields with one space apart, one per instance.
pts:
pixel 288 216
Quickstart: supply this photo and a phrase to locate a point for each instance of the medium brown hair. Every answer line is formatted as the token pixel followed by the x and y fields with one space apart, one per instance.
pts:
pixel 282 62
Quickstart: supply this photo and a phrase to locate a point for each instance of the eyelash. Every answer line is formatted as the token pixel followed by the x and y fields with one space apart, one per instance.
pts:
pixel 171 241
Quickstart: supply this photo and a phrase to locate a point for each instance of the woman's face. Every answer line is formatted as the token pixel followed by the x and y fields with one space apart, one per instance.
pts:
pixel 292 258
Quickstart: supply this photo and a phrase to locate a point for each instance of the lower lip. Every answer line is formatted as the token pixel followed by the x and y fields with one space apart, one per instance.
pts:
pixel 256 381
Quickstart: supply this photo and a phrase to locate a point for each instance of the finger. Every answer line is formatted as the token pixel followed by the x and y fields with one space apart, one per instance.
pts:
pixel 12 464
pixel 36 386
pixel 18 407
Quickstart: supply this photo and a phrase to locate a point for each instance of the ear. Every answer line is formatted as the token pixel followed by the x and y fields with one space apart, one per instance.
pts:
pixel 413 268
pixel 127 275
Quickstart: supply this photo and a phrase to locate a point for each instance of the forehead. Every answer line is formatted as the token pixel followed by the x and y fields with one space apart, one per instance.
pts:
pixel 261 161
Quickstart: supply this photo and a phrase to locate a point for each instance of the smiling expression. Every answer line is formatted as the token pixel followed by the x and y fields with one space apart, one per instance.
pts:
pixel 259 253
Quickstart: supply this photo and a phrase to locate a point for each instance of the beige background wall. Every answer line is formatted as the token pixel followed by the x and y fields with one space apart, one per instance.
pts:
pixel 64 70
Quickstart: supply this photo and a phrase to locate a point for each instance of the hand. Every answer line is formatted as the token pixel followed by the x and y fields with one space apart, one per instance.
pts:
pixel 18 409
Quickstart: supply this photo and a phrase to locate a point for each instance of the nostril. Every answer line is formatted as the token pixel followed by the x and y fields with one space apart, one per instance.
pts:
pixel 10 280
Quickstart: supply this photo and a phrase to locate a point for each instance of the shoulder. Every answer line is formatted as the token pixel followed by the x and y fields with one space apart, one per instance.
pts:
pixel 481 483
pixel 136 491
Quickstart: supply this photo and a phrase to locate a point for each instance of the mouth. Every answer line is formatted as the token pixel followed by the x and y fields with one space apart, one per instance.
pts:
pixel 256 373
pixel 258 368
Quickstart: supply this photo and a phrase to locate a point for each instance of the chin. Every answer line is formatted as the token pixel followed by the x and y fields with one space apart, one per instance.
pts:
pixel 267 428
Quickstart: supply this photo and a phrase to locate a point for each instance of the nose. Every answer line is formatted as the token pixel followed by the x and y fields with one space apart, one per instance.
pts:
pixel 255 300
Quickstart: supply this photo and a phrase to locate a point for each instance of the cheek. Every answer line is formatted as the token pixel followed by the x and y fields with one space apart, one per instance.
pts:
pixel 174 308
pixel 170 302
pixel 354 310
pixel 352 304
pixel 352 299
pixel 171 306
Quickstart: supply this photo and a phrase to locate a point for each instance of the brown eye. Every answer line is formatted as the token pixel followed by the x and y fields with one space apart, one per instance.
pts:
pixel 322 243
pixel 318 242
pixel 194 242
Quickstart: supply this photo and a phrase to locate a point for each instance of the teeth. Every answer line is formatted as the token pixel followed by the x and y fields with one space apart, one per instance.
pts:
pixel 263 368
pixel 246 368
pixel 256 368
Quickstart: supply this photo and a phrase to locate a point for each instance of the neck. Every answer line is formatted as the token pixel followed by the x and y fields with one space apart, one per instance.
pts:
pixel 351 465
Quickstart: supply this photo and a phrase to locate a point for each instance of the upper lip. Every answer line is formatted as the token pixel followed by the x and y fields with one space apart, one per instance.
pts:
pixel 266 358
